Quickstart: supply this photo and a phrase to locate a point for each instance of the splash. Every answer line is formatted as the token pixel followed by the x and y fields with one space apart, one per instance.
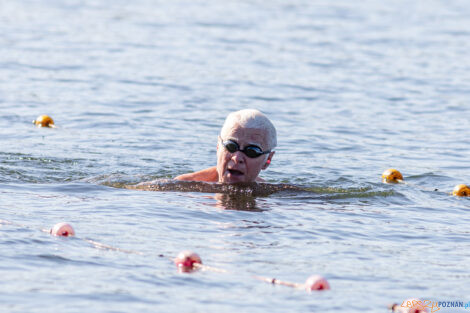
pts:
pixel 248 190
pixel 239 189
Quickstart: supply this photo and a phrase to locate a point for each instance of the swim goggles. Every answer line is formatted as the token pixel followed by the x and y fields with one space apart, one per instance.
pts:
pixel 251 151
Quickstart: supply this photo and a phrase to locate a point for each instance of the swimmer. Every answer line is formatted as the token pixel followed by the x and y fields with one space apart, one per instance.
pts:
pixel 244 148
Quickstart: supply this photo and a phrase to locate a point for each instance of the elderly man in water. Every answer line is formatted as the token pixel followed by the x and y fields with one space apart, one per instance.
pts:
pixel 245 147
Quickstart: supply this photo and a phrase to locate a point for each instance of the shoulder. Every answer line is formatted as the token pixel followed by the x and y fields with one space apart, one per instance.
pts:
pixel 207 175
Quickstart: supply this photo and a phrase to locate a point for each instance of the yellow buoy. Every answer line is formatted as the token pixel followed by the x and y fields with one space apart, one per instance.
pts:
pixel 392 176
pixel 461 190
pixel 44 121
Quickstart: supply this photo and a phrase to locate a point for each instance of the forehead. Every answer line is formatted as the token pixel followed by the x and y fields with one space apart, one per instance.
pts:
pixel 245 135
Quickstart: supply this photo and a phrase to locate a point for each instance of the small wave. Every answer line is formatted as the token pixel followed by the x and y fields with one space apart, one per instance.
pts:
pixel 63 260
pixel 53 257
pixel 18 167
pixel 368 194
pixel 335 190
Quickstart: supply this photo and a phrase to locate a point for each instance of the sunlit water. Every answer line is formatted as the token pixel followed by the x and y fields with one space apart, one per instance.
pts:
pixel 139 91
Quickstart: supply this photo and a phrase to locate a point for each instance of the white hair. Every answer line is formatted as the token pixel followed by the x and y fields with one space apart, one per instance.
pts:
pixel 252 118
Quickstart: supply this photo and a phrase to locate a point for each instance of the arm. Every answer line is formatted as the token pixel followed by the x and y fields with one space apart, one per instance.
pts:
pixel 207 175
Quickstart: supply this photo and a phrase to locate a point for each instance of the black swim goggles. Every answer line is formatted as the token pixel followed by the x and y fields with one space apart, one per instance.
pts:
pixel 251 151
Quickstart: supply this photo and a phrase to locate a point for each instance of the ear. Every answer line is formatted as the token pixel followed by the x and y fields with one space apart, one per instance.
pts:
pixel 268 160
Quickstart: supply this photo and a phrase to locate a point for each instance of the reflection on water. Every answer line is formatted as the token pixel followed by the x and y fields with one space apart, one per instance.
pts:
pixel 242 196
pixel 236 202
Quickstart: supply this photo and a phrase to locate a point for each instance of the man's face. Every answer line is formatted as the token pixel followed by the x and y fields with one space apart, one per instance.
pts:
pixel 237 167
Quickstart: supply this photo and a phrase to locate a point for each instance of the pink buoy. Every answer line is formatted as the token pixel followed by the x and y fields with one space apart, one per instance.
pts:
pixel 62 229
pixel 316 282
pixel 185 261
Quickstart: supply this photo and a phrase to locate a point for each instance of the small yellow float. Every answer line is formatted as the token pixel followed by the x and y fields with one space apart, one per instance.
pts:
pixel 461 190
pixel 44 121
pixel 392 176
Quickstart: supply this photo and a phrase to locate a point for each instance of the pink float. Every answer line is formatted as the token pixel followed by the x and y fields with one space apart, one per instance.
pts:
pixel 62 229
pixel 185 261
pixel 316 282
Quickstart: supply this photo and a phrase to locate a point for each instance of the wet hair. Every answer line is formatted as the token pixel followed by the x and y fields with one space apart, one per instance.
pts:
pixel 252 118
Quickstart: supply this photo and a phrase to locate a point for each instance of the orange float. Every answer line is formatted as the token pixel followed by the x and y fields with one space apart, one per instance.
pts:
pixel 44 121
pixel 392 176
pixel 461 191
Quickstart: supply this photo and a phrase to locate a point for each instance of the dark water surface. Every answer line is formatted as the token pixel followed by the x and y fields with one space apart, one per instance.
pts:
pixel 139 91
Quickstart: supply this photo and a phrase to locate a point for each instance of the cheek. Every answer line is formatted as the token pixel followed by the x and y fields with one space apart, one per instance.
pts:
pixel 254 165
pixel 221 160
pixel 221 156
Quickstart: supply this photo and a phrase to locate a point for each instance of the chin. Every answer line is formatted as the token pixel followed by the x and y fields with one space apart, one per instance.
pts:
pixel 234 180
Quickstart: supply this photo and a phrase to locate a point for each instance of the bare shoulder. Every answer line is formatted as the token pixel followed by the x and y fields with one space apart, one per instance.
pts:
pixel 207 175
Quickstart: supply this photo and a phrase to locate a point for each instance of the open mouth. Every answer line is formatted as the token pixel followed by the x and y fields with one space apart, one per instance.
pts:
pixel 234 172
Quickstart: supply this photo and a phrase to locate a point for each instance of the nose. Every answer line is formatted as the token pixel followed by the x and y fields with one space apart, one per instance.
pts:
pixel 238 157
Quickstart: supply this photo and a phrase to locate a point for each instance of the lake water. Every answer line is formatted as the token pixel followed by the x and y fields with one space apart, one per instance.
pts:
pixel 139 91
